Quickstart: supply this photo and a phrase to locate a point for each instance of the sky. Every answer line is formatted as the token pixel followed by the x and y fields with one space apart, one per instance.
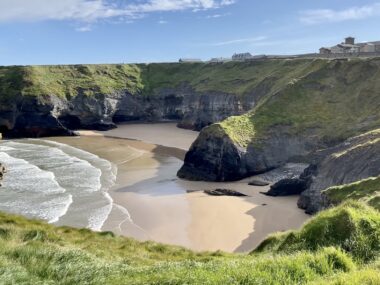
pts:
pixel 134 31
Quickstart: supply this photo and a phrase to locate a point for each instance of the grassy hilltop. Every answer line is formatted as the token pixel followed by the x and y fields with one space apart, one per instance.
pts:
pixel 238 78
pixel 339 246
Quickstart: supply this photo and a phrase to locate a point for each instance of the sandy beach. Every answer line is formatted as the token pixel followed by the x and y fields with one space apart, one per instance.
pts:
pixel 151 203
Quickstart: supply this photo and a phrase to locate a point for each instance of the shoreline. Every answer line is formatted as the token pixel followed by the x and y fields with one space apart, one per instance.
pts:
pixel 149 202
pixel 194 220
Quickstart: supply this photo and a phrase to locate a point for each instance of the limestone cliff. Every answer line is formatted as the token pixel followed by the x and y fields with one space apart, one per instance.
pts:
pixel 354 160
pixel 52 100
pixel 328 103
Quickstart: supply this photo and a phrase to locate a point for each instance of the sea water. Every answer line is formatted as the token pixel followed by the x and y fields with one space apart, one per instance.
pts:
pixel 56 182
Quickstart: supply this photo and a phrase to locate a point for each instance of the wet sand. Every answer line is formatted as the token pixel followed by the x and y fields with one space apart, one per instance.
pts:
pixel 164 134
pixel 159 206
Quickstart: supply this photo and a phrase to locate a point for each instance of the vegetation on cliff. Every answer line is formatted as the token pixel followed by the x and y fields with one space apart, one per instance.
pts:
pixel 33 252
pixel 68 81
pixel 366 190
pixel 238 78
pixel 354 227
pixel 333 101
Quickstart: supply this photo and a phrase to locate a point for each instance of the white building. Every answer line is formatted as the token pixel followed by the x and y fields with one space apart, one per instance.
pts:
pixel 242 56
pixel 220 59
pixel 184 60
pixel 349 47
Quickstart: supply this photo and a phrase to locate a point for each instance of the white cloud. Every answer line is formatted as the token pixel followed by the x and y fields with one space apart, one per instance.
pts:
pixel 240 41
pixel 92 10
pixel 162 22
pixel 215 16
pixel 329 15
pixel 84 29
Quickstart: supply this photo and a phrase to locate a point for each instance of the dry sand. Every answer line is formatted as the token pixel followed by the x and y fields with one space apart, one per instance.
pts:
pixel 159 206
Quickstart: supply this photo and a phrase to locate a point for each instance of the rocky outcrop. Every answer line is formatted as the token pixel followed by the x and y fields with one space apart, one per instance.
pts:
pixel 224 192
pixel 316 109
pixel 355 159
pixel 214 156
pixel 2 171
pixel 32 117
pixel 257 182
pixel 287 187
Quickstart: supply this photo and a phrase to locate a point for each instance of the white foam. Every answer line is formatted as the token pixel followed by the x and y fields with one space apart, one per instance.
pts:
pixel 31 191
pixel 5 148
pixel 66 181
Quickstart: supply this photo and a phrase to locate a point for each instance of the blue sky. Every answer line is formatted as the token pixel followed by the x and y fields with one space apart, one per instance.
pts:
pixel 114 31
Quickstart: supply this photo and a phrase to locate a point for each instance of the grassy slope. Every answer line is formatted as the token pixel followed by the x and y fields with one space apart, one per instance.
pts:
pixel 367 190
pixel 333 100
pixel 237 78
pixel 352 226
pixel 33 252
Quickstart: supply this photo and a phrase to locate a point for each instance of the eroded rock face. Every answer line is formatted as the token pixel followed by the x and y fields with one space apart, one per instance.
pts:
pixel 35 116
pixel 214 158
pixel 2 171
pixel 217 158
pixel 32 117
pixel 194 110
pixel 355 159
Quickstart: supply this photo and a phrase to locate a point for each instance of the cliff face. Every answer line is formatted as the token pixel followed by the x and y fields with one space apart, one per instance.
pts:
pixel 356 159
pixel 329 102
pixel 52 100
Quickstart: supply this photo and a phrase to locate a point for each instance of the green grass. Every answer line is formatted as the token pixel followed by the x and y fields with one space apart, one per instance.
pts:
pixel 331 101
pixel 33 252
pixel 366 190
pixel 237 78
pixel 352 226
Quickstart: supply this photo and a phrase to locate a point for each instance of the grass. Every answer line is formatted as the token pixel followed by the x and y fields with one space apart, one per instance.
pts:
pixel 366 190
pixel 33 252
pixel 331 101
pixel 334 99
pixel 352 226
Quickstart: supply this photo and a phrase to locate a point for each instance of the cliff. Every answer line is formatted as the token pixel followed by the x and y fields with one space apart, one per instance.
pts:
pixel 52 100
pixel 309 109
pixel 343 173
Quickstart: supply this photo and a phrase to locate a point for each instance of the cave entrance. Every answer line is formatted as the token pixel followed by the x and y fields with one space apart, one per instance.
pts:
pixel 69 121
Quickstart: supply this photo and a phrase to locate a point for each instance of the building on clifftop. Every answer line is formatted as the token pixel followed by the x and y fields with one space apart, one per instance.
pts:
pixel 242 56
pixel 349 46
pixel 184 60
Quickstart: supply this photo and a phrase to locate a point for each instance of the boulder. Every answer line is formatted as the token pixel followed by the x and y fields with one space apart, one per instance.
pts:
pixel 287 187
pixel 257 182
pixel 224 192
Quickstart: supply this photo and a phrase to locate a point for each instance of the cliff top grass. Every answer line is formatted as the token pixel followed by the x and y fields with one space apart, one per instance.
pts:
pixel 352 226
pixel 33 252
pixel 366 190
pixel 329 100
pixel 237 78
